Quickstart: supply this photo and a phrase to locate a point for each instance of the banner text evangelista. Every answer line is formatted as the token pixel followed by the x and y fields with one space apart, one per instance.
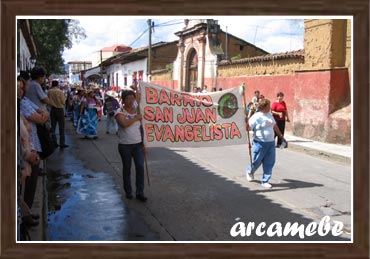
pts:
pixel 197 133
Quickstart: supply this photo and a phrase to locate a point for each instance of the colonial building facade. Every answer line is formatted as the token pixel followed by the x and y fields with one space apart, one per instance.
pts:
pixel 315 80
pixel 202 45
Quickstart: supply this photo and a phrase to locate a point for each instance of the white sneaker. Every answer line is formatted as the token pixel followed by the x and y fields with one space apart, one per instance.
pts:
pixel 250 177
pixel 266 185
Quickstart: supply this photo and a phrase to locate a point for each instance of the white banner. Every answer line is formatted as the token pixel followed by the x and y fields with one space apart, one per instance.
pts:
pixel 180 119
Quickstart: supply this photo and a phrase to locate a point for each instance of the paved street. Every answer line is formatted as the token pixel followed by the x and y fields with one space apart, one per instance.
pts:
pixel 196 194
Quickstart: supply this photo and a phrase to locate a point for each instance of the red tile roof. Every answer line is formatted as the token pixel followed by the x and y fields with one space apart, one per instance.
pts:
pixel 283 55
pixel 116 48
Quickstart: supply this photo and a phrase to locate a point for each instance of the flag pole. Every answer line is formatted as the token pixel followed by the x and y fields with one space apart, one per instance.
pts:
pixel 142 137
pixel 246 116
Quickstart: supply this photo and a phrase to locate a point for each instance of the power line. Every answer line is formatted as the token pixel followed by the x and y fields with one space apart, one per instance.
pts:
pixel 163 25
pixel 155 25
pixel 138 37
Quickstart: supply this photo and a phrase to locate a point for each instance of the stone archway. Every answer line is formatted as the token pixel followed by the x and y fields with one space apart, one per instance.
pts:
pixel 191 73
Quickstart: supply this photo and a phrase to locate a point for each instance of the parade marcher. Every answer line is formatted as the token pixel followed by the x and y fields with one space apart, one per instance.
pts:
pixel 263 126
pixel 69 103
pixel 88 121
pixel 77 98
pixel 99 108
pixel 57 101
pixel 99 102
pixel 111 106
pixel 253 105
pixel 131 145
pixel 205 90
pixel 280 113
pixel 256 96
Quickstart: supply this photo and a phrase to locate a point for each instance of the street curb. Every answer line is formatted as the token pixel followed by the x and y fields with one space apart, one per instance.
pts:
pixel 45 210
pixel 319 153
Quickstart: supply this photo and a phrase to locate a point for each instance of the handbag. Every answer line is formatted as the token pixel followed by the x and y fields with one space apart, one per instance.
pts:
pixel 47 139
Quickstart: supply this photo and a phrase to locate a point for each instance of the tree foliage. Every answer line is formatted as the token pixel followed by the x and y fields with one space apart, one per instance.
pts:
pixel 51 37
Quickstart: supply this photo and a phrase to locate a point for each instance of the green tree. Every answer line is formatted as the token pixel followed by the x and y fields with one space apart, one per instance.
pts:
pixel 51 37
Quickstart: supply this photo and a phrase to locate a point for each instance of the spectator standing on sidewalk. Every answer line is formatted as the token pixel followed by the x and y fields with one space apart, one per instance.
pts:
pixel 26 155
pixel 131 145
pixel 111 106
pixel 280 113
pixel 57 101
pixel 35 92
pixel 34 115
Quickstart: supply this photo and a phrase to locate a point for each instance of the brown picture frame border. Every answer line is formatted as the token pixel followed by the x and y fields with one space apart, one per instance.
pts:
pixel 360 11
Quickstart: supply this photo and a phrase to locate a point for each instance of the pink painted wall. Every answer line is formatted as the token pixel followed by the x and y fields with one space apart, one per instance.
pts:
pixel 268 86
pixel 311 98
pixel 317 95
pixel 340 92
pixel 171 84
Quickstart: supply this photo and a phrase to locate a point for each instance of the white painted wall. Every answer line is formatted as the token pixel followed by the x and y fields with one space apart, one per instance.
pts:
pixel 24 54
pixel 126 70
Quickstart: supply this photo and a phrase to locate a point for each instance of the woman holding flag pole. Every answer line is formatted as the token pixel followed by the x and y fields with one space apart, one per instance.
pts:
pixel 131 144
pixel 263 125
pixel 246 118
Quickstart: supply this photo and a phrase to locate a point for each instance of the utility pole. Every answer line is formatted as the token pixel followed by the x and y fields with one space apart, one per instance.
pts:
pixel 101 70
pixel 227 45
pixel 149 65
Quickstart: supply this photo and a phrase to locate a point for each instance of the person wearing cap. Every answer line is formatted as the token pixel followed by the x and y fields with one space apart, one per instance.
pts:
pixel 131 145
pixel 111 106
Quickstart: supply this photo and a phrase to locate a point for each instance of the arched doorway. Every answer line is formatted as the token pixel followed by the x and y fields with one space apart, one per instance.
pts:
pixel 191 71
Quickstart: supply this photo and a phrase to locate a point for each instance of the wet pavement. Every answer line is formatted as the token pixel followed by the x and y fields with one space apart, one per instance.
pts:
pixel 84 200
pixel 83 205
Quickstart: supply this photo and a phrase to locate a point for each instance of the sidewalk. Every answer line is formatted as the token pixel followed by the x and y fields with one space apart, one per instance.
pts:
pixel 335 152
pixel 40 207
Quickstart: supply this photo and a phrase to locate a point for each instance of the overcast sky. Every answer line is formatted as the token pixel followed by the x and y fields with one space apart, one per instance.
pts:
pixel 273 34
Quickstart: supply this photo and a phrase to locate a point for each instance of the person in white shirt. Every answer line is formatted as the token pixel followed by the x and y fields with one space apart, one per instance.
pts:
pixel 263 126
pixel 205 90
pixel 131 144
